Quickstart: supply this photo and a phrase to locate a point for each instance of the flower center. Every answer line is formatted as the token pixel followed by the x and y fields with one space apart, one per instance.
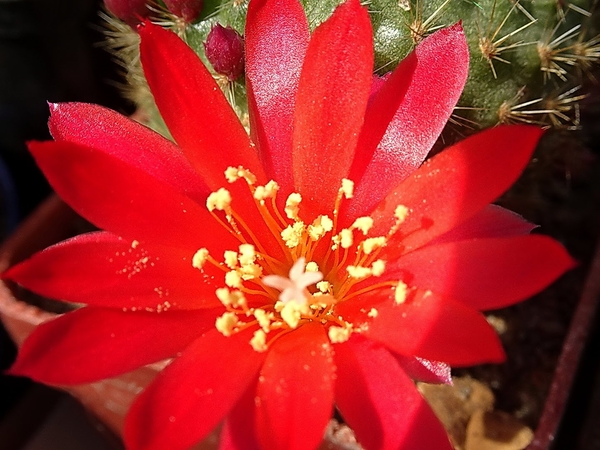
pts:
pixel 321 265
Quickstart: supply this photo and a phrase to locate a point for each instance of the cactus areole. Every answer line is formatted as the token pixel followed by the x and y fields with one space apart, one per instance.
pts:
pixel 317 263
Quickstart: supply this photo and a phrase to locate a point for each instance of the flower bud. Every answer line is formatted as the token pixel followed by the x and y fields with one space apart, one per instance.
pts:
pixel 130 11
pixel 225 51
pixel 188 10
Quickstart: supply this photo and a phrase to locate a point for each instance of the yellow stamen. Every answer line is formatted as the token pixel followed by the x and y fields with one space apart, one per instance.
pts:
pixel 219 200
pixel 291 206
pixel 199 258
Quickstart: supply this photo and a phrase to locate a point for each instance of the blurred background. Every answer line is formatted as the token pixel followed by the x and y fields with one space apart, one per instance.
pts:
pixel 49 51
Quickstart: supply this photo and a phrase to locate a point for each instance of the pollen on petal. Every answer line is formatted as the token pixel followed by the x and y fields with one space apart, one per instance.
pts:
pixel 401 212
pixel 400 292
pixel 337 335
pixel 373 313
pixel 199 258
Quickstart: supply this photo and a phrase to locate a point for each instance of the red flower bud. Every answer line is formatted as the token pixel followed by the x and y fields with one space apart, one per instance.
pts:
pixel 130 11
pixel 225 51
pixel 188 10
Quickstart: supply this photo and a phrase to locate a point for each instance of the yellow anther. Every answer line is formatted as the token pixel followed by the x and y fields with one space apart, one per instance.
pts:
pixel 371 244
pixel 230 258
pixel 292 312
pixel 324 286
pixel 346 238
pixel 233 279
pixel 219 200
pixel 259 341
pixel 247 254
pixel 337 335
pixel 311 266
pixel 269 190
pixel 319 227
pixel 378 267
pixel 199 258
pixel 233 174
pixel 292 235
pixel 363 224
pixel 291 205
pixel 231 298
pixel 251 271
pixel 359 271
pixel 226 323
pixel 263 318
pixel 400 292
pixel 401 212
pixel 347 188
pixel 373 313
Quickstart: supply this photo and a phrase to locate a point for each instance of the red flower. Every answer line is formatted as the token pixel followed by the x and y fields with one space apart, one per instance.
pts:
pixel 337 285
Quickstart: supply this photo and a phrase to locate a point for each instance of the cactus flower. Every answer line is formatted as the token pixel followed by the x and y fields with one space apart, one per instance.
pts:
pixel 318 263
pixel 224 48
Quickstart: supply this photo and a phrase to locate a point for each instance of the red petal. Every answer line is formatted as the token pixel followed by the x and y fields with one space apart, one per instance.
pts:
pixel 295 390
pixel 277 36
pixel 194 108
pixel 124 199
pixel 456 184
pixel 101 269
pixel 426 325
pixel 95 343
pixel 424 370
pixel 442 65
pixel 131 142
pixel 485 273
pixel 191 396
pixel 332 98
pixel 239 432
pixel 380 403
pixel 491 222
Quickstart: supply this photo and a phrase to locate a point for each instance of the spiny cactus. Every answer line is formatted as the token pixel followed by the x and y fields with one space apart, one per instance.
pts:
pixel 528 57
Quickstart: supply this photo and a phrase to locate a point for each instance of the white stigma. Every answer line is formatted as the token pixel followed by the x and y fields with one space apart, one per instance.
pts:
pixel 294 288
